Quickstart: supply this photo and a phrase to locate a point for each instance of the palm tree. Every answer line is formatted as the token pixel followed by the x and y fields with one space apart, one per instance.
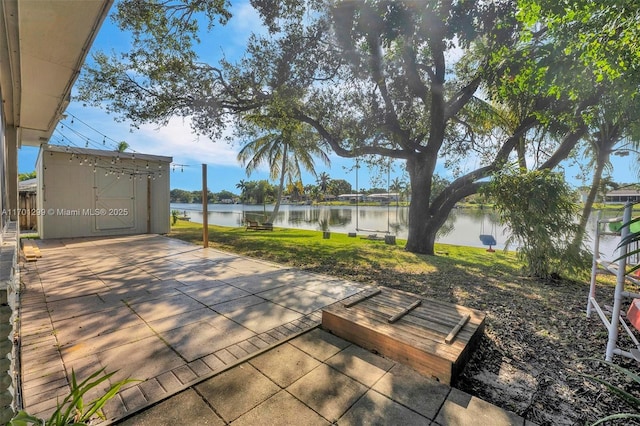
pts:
pixel 287 149
pixel 611 125
pixel 242 186
pixel 397 186
pixel 323 182
pixel 122 146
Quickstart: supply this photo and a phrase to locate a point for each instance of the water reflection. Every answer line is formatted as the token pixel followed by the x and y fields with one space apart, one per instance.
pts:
pixel 463 226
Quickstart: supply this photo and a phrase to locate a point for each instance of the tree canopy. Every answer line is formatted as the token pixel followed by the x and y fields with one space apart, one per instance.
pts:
pixel 377 79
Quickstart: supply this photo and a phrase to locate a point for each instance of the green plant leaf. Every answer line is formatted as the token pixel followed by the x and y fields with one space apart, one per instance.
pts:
pixel 25 419
pixel 626 396
pixel 97 404
pixel 620 416
pixel 633 376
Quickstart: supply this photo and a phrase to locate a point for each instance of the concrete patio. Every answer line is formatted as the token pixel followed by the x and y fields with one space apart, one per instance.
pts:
pixel 214 338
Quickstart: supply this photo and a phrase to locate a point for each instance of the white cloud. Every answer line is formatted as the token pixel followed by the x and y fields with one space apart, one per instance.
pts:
pixel 245 19
pixel 177 139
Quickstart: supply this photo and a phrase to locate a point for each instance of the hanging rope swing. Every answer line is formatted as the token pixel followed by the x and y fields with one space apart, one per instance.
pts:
pixel 358 229
pixel 488 239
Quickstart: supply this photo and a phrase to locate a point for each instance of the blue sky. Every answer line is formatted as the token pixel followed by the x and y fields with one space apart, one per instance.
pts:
pixel 188 150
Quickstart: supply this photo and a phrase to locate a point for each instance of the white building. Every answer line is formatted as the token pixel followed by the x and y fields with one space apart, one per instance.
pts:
pixel 43 45
pixel 89 192
pixel 622 195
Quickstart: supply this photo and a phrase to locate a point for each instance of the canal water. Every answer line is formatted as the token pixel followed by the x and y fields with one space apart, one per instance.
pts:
pixel 463 227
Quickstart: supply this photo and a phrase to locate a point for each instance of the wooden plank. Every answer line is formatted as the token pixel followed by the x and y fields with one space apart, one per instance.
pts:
pixel 425 340
pixel 418 327
pixel 372 307
pixel 405 311
pixel 425 312
pixel 351 302
pixel 436 309
pixel 30 250
pixel 456 329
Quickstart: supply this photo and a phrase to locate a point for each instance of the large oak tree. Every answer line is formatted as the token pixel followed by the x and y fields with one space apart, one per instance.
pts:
pixel 378 79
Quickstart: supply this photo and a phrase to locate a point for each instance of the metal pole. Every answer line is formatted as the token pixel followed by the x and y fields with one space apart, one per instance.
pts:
pixel 594 265
pixel 620 279
pixel 205 212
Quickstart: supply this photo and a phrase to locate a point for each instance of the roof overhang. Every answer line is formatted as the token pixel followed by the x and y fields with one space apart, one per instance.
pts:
pixel 90 152
pixel 43 44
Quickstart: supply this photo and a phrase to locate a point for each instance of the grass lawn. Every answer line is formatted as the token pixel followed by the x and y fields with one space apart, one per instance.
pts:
pixel 537 336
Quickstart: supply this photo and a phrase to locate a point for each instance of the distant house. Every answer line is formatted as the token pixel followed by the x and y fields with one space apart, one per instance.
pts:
pixel 622 195
pixel 385 197
pixel 352 198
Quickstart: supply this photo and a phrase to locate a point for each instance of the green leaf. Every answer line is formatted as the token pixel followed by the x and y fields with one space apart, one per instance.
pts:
pixel 621 416
pixel 25 419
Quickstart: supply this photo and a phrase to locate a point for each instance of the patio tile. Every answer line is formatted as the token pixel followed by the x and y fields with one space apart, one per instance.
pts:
pixel 258 282
pixel 165 307
pixel 263 316
pixel 133 398
pixel 215 294
pixel 186 408
pixel 334 288
pixel 360 364
pixel 463 409
pixel 409 388
pixel 284 364
pixel 302 301
pixel 169 382
pixel 152 389
pixel 213 254
pixel 74 349
pixel 191 277
pixel 205 337
pixel 214 362
pixel 237 391
pixel 281 409
pixel 81 287
pixel 234 305
pixel 90 325
pixel 181 320
pixel 133 359
pixel 319 344
pixel 184 374
pixel 76 306
pixel 376 409
pixel 327 391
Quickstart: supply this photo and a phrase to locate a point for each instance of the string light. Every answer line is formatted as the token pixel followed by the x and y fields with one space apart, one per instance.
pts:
pixel 121 168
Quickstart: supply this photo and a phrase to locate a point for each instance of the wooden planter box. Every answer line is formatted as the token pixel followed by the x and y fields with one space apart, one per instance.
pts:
pixel 434 338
